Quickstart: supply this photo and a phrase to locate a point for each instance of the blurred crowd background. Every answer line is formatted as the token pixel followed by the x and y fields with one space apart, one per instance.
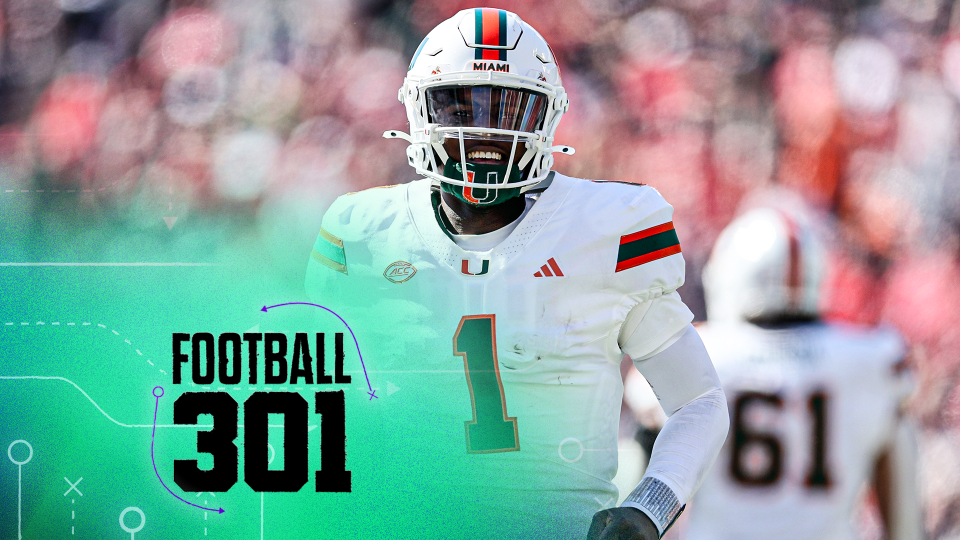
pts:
pixel 165 127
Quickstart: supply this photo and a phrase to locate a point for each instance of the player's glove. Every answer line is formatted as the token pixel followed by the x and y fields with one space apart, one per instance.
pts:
pixel 623 523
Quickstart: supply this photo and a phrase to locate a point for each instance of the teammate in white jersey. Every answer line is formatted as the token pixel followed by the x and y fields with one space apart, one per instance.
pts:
pixel 816 408
pixel 540 283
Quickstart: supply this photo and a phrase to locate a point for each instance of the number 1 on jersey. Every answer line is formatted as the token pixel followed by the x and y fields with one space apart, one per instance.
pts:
pixel 491 430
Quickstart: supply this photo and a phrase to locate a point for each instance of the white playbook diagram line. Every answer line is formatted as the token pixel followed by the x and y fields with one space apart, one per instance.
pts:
pixel 121 424
pixel 106 264
pixel 20 465
pixel 126 339
pixel 19 496
pixel 86 395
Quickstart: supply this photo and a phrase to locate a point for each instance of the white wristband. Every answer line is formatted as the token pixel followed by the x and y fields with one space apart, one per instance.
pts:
pixel 656 500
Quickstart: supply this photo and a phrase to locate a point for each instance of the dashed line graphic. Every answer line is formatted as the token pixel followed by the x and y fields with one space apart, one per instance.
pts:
pixel 73 487
pixel 106 264
pixel 103 188
pixel 125 339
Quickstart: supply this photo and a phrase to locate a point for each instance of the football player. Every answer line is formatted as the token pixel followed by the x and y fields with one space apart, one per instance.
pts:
pixel 817 408
pixel 541 282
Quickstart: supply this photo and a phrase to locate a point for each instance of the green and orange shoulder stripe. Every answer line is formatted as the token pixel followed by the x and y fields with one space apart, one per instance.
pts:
pixel 638 213
pixel 647 245
pixel 363 207
pixel 328 251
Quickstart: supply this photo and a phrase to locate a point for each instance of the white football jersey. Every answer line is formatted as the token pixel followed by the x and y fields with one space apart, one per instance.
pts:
pixel 811 408
pixel 507 360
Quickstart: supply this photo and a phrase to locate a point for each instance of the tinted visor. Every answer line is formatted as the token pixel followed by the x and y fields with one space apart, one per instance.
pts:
pixel 486 107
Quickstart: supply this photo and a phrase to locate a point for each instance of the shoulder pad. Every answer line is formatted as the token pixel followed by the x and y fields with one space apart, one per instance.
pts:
pixel 356 215
pixel 624 231
pixel 637 215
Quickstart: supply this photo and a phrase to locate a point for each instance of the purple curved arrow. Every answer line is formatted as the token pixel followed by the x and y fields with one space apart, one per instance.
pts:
pixel 372 392
pixel 152 438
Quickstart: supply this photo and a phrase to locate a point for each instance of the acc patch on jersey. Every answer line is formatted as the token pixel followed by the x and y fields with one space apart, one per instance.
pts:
pixel 399 271
pixel 647 245
pixel 328 251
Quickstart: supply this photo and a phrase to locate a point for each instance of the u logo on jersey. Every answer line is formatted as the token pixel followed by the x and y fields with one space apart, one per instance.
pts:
pixel 465 268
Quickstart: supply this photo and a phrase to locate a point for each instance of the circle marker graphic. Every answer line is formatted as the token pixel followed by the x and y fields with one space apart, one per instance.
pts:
pixel 20 465
pixel 560 450
pixel 143 520
pixel 10 452
pixel 155 394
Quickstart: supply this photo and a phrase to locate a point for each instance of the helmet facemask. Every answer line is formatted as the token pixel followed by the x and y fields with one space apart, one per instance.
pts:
pixel 491 127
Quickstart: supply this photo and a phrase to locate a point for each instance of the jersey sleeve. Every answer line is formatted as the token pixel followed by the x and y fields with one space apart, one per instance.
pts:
pixel 648 267
pixel 653 325
pixel 686 384
pixel 352 230
pixel 328 266
pixel 648 260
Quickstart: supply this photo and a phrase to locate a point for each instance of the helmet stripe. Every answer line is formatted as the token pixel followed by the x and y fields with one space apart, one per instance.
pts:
pixel 478 28
pixel 503 34
pixel 794 275
pixel 490 27
pixel 502 15
pixel 417 54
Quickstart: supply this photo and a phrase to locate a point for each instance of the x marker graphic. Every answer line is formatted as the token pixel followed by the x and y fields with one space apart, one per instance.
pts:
pixel 73 486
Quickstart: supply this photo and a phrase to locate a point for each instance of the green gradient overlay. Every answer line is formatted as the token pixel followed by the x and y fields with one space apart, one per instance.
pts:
pixel 132 312
pixel 406 466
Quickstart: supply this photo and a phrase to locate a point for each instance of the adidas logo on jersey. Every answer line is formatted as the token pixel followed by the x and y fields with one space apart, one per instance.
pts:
pixel 550 269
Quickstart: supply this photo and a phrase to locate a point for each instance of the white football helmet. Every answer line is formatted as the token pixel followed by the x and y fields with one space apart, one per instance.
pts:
pixel 767 264
pixel 483 74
